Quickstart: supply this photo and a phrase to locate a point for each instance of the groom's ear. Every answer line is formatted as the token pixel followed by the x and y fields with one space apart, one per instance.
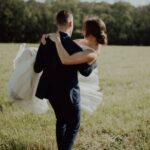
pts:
pixel 70 23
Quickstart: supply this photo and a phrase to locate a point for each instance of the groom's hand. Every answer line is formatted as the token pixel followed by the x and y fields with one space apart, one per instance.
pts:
pixel 43 39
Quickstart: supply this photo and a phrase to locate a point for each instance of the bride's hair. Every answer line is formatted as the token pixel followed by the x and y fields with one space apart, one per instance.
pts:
pixel 96 27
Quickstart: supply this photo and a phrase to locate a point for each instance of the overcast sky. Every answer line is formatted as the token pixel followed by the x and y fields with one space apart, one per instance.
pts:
pixel 134 2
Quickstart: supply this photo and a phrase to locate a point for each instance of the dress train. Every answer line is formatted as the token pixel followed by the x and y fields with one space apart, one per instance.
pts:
pixel 23 83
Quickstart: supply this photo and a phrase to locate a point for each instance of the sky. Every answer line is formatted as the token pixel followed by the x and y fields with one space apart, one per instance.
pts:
pixel 134 2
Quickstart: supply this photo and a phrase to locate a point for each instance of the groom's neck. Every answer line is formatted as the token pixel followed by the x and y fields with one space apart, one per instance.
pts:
pixel 64 30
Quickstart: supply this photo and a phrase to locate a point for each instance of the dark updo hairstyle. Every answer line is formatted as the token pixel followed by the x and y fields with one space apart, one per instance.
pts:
pixel 96 27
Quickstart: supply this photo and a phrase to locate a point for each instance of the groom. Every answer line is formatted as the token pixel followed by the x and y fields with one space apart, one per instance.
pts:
pixel 59 83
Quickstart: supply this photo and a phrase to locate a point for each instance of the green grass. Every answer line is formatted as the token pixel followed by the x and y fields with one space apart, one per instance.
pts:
pixel 122 121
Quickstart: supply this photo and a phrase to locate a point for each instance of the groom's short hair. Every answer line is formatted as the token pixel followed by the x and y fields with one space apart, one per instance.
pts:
pixel 63 17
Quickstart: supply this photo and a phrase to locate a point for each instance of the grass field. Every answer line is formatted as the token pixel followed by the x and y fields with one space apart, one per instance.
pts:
pixel 122 121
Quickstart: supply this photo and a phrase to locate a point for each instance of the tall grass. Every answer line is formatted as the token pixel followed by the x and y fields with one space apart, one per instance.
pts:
pixel 121 122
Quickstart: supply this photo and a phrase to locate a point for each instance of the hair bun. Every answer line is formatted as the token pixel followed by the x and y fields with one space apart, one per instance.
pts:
pixel 102 38
pixel 97 28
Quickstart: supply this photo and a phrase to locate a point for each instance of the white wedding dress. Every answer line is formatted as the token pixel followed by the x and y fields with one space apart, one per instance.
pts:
pixel 23 83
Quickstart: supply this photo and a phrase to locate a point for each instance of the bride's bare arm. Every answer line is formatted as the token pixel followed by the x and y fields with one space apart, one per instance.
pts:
pixel 85 56
pixel 77 41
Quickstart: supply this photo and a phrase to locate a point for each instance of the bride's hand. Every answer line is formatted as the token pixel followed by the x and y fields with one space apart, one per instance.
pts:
pixel 43 39
pixel 54 37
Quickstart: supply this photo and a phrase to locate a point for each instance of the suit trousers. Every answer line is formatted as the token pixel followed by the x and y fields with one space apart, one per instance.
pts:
pixel 67 122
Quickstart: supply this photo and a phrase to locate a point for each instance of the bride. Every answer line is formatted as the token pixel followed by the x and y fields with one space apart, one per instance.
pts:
pixel 94 31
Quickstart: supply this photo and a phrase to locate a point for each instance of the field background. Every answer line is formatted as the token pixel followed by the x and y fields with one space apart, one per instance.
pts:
pixel 122 121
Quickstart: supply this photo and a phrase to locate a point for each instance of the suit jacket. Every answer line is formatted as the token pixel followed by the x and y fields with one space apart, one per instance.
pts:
pixel 59 82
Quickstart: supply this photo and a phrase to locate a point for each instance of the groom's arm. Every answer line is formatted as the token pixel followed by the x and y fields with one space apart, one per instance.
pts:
pixel 38 65
pixel 86 69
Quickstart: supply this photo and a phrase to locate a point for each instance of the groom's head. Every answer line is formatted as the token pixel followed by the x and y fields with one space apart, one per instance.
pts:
pixel 64 21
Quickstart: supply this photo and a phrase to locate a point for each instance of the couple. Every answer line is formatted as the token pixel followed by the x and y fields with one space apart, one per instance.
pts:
pixel 59 59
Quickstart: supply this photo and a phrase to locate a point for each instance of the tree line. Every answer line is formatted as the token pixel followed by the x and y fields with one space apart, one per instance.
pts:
pixel 22 21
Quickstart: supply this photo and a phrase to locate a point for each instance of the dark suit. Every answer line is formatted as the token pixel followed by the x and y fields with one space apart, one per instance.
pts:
pixel 59 84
